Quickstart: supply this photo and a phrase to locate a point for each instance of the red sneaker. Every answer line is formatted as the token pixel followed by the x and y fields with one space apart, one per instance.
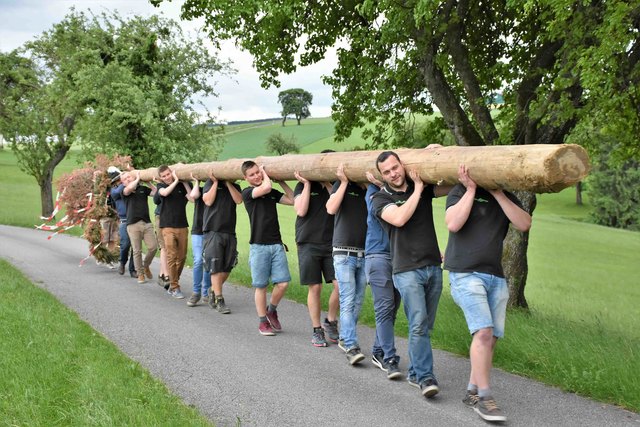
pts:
pixel 265 329
pixel 272 316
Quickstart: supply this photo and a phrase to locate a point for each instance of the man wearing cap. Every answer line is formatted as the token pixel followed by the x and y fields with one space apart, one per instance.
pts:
pixel 121 208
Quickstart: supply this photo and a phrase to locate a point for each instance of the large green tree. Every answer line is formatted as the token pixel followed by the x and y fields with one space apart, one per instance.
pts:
pixel 557 63
pixel 108 85
pixel 295 102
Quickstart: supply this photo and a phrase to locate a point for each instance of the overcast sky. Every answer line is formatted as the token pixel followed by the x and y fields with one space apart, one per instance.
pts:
pixel 241 96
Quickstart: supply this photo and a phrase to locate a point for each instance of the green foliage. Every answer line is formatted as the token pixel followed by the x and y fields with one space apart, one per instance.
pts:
pixel 278 144
pixel 556 62
pixel 295 102
pixel 615 190
pixel 111 86
pixel 56 370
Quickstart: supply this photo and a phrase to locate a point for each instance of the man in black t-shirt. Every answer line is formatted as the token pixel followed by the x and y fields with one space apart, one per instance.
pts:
pixel 220 243
pixel 174 225
pixel 478 221
pixel 404 208
pixel 267 257
pixel 347 203
pixel 139 225
pixel 314 233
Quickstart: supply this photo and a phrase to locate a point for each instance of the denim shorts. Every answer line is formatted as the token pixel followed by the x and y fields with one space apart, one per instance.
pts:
pixel 268 262
pixel 483 299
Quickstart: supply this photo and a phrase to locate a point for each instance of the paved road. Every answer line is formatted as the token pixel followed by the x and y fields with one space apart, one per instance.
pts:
pixel 220 363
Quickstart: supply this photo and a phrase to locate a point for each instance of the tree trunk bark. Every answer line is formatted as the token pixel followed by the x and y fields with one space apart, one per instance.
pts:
pixel 46 194
pixel 514 255
pixel 579 193
pixel 537 168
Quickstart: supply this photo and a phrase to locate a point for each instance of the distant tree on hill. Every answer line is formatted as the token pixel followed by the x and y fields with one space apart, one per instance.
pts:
pixel 295 102
pixel 278 144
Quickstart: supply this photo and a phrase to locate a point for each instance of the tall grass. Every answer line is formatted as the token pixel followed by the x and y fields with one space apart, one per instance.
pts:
pixel 56 370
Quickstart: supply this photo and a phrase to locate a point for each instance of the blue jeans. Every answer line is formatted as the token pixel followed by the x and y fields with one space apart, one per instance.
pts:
pixel 199 275
pixel 125 246
pixel 351 286
pixel 386 301
pixel 420 290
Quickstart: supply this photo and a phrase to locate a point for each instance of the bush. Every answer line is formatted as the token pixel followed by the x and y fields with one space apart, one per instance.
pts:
pixel 614 191
pixel 279 144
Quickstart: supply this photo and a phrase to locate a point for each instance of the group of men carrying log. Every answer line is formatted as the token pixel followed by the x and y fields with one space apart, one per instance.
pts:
pixel 349 235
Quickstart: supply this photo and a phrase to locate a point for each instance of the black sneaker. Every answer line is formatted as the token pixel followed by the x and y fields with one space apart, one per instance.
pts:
pixel 354 356
pixel 413 381
pixel 429 387
pixel 393 372
pixel 471 398
pixel 331 330
pixel 488 409
pixel 221 306
pixel 377 360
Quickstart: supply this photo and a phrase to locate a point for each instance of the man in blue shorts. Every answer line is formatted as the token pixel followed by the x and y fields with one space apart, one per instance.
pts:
pixel 267 257
pixel 478 221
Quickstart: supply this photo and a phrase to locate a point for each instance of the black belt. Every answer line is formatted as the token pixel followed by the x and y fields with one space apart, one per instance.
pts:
pixel 358 254
pixel 122 221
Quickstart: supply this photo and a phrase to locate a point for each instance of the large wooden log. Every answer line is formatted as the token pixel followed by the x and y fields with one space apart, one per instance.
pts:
pixel 539 168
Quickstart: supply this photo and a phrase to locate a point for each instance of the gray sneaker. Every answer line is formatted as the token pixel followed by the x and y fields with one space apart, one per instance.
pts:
pixel 318 339
pixel 221 306
pixel 331 330
pixel 193 300
pixel 488 409
pixel 342 346
pixel 177 294
pixel 205 299
pixel 429 387
pixel 471 398
pixel 354 356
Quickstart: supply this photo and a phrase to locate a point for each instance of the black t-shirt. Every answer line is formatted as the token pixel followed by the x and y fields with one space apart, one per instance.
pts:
pixel 198 210
pixel 137 205
pixel 317 225
pixel 414 245
pixel 350 223
pixel 174 207
pixel 477 246
pixel 221 216
pixel 263 216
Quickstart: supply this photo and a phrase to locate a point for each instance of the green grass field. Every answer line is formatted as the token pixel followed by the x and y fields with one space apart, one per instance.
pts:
pixel 56 370
pixel 580 332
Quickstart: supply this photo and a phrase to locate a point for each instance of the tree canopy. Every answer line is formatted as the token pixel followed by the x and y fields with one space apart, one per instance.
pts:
pixel 295 102
pixel 111 86
pixel 559 64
